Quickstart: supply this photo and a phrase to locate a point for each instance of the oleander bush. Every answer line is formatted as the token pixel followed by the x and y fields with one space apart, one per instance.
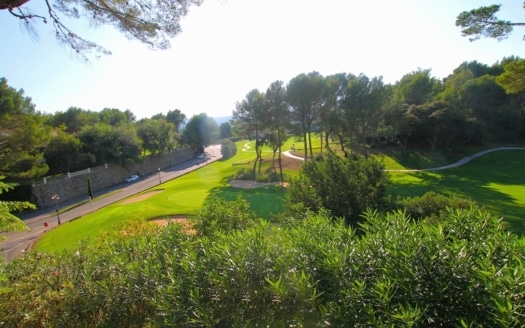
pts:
pixel 463 270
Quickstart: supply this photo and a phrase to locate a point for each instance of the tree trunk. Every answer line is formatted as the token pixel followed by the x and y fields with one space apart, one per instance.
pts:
pixel 281 166
pixel 321 137
pixel 259 156
pixel 404 144
pixel 280 162
pixel 305 143
pixel 341 142
pixel 363 129
pixel 256 152
pixel 310 142
pixel 432 140
pixel 326 139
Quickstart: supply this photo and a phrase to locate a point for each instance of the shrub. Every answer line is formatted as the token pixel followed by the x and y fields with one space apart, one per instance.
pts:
pixel 245 174
pixel 220 216
pixel 228 148
pixel 464 270
pixel 432 205
pixel 268 176
pixel 344 186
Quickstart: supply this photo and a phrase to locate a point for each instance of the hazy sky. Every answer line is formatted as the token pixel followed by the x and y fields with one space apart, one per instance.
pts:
pixel 230 47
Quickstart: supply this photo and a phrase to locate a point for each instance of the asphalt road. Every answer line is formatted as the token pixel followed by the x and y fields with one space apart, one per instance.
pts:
pixel 19 242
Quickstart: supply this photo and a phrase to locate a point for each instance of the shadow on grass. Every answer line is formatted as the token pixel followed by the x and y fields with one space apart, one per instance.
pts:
pixel 264 201
pixel 495 181
pixel 417 160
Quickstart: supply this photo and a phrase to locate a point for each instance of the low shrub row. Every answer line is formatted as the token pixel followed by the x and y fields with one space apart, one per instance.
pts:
pixel 463 270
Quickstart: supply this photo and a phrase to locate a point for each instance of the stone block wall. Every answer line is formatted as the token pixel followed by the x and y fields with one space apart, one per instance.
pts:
pixel 70 188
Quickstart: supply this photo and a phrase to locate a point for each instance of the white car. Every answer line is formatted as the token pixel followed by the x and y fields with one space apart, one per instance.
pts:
pixel 200 156
pixel 131 178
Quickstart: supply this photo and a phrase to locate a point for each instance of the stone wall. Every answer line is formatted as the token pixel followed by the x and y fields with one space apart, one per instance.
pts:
pixel 70 188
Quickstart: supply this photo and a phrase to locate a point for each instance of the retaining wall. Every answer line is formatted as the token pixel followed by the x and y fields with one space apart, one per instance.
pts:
pixel 75 186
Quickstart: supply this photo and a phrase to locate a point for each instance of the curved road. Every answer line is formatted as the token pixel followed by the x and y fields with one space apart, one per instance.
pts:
pixel 18 242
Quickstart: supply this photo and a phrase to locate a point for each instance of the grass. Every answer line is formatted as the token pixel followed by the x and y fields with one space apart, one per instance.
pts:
pixel 495 180
pixel 184 195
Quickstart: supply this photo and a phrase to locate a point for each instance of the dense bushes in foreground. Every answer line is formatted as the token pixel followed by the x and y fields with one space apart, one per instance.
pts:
pixel 463 271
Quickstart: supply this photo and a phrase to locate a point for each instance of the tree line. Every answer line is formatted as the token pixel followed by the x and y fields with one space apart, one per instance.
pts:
pixel 35 144
pixel 474 105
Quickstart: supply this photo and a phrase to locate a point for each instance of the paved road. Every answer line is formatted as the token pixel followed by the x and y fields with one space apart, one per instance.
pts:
pixel 18 242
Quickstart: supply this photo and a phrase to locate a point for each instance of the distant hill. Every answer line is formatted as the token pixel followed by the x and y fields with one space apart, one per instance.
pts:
pixel 222 119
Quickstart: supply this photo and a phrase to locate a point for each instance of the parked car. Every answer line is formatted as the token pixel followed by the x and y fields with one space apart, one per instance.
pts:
pixel 200 156
pixel 131 178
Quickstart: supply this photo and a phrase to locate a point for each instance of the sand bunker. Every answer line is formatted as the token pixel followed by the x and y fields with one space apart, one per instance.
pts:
pixel 141 197
pixel 179 219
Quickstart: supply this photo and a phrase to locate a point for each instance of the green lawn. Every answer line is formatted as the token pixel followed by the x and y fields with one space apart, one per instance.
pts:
pixel 184 195
pixel 496 180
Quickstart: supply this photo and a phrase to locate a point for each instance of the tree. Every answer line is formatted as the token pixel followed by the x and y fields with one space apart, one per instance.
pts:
pixel 344 186
pixel 396 126
pixel 437 121
pixel 200 131
pixel 157 135
pixel 23 136
pixel 417 87
pixel 151 22
pixel 114 116
pixel 128 144
pixel 277 119
pixel 454 83
pixel 177 118
pixel 306 96
pixel 73 119
pixel 483 22
pixel 363 100
pixel 111 144
pixel 513 79
pixel 332 115
pixel 250 116
pixel 8 221
pixel 225 130
pixel 62 152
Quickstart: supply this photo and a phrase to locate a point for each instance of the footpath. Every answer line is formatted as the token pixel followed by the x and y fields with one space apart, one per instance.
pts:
pixel 456 164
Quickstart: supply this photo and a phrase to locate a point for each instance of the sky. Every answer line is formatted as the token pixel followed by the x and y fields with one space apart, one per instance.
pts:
pixel 229 47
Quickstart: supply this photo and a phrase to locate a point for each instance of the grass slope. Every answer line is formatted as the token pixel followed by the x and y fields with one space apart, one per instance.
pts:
pixel 184 195
pixel 496 181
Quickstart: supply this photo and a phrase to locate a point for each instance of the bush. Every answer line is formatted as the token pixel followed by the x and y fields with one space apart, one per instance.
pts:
pixel 344 186
pixel 228 148
pixel 220 216
pixel 432 205
pixel 270 175
pixel 464 270
pixel 245 174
